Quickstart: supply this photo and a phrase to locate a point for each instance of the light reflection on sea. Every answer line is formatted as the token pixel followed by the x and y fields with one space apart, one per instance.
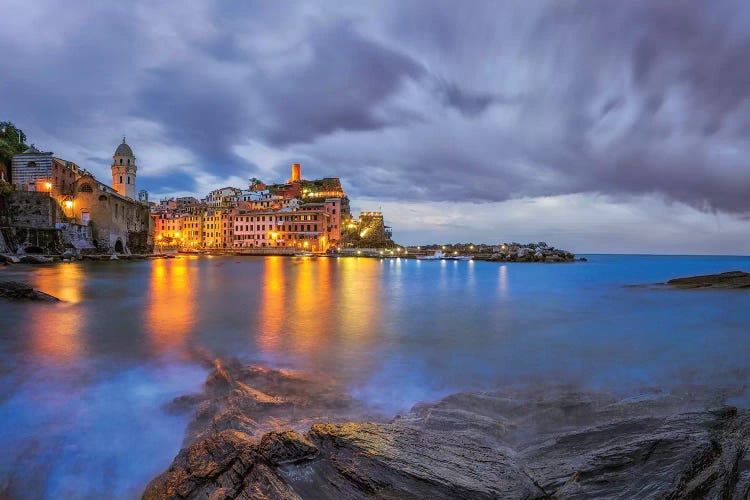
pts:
pixel 83 382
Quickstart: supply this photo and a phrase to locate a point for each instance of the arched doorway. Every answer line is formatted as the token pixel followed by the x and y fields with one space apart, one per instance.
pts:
pixel 118 246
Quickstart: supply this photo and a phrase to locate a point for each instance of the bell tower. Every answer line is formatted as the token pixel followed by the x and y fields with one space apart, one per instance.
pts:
pixel 124 170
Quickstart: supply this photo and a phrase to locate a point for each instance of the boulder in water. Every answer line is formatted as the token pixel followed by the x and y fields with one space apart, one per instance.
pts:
pixel 17 291
pixel 732 279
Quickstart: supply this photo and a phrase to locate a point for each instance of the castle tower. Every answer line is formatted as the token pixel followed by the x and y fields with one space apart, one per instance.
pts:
pixel 124 170
pixel 296 173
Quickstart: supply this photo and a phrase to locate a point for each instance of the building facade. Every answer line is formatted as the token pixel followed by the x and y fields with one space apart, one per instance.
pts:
pixel 124 171
pixel 299 214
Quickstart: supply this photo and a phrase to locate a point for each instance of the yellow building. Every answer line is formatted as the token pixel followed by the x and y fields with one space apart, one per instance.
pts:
pixel 192 229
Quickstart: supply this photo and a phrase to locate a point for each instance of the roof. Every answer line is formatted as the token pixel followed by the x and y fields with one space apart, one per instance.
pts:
pixel 34 151
pixel 124 150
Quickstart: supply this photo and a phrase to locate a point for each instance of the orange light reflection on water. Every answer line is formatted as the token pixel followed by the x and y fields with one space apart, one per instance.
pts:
pixel 56 328
pixel 171 303
pixel 300 311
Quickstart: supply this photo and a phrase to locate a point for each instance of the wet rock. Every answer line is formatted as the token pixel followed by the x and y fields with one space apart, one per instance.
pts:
pixel 732 279
pixel 9 259
pixel 286 447
pixel 552 444
pixel 35 259
pixel 17 291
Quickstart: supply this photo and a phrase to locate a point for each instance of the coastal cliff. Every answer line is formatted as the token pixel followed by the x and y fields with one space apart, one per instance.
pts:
pixel 248 439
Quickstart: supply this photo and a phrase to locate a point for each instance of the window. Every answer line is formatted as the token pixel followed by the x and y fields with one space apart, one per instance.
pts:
pixel 120 164
pixel 128 161
pixel 101 197
pixel 120 177
pixel 85 188
pixel 128 179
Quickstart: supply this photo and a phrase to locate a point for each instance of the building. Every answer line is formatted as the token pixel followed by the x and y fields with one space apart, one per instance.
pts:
pixel 124 171
pixel 110 216
pixel 35 170
pixel 118 223
pixel 168 227
pixel 298 214
pixel 223 198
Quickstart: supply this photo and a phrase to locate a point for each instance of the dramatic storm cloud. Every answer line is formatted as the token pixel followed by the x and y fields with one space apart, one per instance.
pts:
pixel 473 110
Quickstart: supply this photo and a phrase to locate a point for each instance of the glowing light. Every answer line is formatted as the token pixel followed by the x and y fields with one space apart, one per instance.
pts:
pixel 472 247
pixel 306 244
pixel 443 247
pixel 363 233
pixel 48 185
pixel 69 204
pixel 274 236
pixel 455 253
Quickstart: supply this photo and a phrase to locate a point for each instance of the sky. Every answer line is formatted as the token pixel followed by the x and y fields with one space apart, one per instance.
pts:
pixel 597 126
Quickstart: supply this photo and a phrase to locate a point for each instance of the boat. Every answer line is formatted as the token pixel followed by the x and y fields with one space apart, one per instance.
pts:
pixel 303 253
pixel 436 256
pixel 441 256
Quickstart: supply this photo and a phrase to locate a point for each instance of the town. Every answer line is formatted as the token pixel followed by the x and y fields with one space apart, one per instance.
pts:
pixel 52 206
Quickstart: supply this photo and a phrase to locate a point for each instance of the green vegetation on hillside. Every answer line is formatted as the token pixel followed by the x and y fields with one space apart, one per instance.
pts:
pixel 12 141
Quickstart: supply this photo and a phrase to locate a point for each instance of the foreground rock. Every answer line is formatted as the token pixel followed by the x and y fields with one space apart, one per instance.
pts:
pixel 469 445
pixel 732 279
pixel 17 291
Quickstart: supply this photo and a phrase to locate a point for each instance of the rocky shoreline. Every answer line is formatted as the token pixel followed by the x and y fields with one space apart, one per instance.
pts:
pixel 23 292
pixel 6 259
pixel 259 433
pixel 728 280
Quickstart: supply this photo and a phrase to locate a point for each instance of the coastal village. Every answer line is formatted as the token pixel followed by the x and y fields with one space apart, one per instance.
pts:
pixel 50 206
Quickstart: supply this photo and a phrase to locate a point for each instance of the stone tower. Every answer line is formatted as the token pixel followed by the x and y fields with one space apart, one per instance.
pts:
pixel 124 170
pixel 296 173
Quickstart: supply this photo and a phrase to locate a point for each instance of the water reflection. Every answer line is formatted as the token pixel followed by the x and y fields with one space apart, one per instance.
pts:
pixel 56 330
pixel 171 303
pixel 503 281
pixel 317 311
pixel 269 322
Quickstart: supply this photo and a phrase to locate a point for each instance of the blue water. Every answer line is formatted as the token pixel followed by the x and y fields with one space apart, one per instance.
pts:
pixel 82 383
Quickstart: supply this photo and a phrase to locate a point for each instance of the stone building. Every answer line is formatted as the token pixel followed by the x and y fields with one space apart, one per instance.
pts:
pixel 117 223
pixel 110 218
pixel 124 171
pixel 35 170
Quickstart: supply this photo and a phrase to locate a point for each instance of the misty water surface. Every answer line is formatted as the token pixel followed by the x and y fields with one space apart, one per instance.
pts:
pixel 83 382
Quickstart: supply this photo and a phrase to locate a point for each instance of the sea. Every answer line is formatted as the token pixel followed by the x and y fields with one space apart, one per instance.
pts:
pixel 84 382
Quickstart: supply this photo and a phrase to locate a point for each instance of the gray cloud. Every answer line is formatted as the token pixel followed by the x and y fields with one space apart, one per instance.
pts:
pixel 487 102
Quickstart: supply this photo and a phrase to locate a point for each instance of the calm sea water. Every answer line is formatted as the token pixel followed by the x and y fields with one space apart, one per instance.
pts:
pixel 82 383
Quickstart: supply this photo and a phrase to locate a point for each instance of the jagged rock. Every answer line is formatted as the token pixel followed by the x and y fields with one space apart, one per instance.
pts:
pixel 35 259
pixel 732 279
pixel 558 444
pixel 9 259
pixel 14 290
pixel 286 447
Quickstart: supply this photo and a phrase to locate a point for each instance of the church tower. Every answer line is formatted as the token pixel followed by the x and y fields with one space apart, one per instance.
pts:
pixel 123 171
